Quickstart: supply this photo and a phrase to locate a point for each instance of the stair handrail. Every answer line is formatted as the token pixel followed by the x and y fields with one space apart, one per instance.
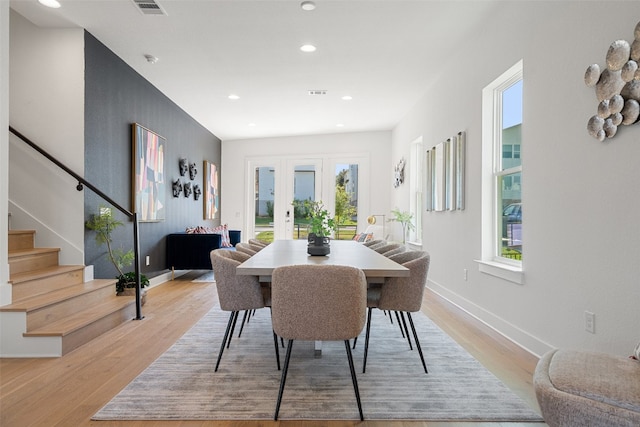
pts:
pixel 84 183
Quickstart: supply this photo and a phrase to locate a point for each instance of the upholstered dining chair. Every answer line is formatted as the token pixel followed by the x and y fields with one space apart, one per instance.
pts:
pixel 386 248
pixel 318 303
pixel 380 244
pixel 245 248
pixel 374 242
pixel 400 294
pixel 237 293
pixel 258 242
pixel 400 249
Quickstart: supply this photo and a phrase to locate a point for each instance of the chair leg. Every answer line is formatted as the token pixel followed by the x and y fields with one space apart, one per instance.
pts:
pixel 406 329
pixel 415 337
pixel 366 340
pixel 283 378
pixel 275 341
pixel 233 328
pixel 399 324
pixel 224 340
pixel 355 340
pixel 353 378
pixel 244 319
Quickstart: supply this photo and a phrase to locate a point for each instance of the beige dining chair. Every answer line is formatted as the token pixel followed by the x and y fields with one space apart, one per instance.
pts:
pixel 318 303
pixel 400 249
pixel 237 293
pixel 380 244
pixel 383 249
pixel 373 242
pixel 258 242
pixel 246 248
pixel 401 294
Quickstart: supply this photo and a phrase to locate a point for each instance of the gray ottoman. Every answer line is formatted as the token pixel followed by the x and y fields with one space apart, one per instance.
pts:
pixel 580 388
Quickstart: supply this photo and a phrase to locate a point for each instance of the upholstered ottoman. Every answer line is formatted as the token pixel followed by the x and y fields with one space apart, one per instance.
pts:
pixel 580 388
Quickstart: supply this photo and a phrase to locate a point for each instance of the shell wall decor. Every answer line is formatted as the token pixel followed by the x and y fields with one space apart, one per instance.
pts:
pixel 617 88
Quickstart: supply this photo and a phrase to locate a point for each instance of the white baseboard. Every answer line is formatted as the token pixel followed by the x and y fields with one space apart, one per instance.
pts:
pixel 514 334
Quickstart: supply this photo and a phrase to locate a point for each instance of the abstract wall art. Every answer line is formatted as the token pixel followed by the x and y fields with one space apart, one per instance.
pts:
pixel 148 178
pixel 211 195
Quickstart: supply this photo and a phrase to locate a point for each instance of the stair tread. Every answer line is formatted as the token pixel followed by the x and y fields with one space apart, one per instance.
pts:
pixel 62 294
pixel 82 318
pixel 31 251
pixel 43 272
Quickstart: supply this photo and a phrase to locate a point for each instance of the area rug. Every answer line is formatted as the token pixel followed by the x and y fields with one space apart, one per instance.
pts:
pixel 182 385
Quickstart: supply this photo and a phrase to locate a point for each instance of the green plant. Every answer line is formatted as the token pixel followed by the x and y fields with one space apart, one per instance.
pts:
pixel 320 222
pixel 104 225
pixel 405 218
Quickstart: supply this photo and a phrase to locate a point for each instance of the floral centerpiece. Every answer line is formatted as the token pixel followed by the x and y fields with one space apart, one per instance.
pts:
pixel 321 225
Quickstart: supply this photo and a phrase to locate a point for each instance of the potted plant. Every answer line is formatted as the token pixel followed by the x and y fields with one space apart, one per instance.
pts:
pixel 104 224
pixel 405 218
pixel 321 225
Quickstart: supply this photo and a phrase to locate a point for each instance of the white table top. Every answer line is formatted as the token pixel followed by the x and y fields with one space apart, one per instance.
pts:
pixel 343 252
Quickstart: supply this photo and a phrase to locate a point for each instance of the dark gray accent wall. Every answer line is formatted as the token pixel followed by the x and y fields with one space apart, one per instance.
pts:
pixel 115 97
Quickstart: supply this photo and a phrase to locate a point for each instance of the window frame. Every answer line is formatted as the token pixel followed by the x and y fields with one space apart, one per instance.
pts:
pixel 491 261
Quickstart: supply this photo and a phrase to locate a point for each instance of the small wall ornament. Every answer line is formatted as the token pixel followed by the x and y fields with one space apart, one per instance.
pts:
pixel 399 173
pixel 617 88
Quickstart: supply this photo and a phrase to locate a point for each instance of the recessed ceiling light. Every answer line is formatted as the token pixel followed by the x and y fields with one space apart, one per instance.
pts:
pixel 50 3
pixel 347 98
pixel 340 125
pixel 233 96
pixel 252 124
pixel 307 5
pixel 308 48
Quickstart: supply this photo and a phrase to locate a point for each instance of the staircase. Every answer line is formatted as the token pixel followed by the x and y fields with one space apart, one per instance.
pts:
pixel 54 310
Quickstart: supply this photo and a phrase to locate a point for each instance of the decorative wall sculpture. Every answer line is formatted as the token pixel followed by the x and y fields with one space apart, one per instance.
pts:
pixel 445 175
pixel 617 88
pixel 399 173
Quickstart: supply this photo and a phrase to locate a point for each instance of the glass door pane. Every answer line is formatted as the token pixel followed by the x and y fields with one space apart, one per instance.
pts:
pixel 304 181
pixel 346 201
pixel 264 190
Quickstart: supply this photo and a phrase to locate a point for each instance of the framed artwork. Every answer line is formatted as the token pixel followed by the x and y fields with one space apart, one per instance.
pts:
pixel 211 194
pixel 148 179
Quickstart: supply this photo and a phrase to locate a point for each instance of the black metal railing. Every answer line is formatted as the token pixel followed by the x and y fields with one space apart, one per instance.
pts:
pixel 84 183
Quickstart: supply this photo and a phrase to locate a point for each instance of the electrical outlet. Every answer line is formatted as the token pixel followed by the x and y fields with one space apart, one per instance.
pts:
pixel 148 261
pixel 465 274
pixel 589 322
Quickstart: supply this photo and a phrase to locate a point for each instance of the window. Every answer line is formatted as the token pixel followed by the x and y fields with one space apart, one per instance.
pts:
pixel 415 189
pixel 502 244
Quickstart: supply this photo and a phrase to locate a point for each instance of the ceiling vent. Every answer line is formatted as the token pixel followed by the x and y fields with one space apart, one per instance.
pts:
pixel 149 7
pixel 317 92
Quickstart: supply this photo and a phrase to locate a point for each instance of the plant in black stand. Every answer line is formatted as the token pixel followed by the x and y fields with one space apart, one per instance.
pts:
pixel 104 225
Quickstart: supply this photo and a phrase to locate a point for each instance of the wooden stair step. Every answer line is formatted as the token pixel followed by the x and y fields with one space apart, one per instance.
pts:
pixel 84 325
pixel 36 282
pixel 37 302
pixel 21 239
pixel 32 259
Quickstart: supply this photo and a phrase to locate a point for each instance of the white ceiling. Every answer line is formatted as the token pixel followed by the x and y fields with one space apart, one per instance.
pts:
pixel 382 53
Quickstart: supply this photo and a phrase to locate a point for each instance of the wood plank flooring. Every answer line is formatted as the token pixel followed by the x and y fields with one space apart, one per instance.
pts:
pixel 67 391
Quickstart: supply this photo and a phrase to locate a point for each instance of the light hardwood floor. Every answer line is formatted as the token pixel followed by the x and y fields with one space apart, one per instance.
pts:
pixel 67 391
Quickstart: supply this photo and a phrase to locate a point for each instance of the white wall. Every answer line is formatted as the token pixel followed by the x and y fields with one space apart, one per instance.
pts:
pixel 235 154
pixel 47 105
pixel 580 196
pixel 5 288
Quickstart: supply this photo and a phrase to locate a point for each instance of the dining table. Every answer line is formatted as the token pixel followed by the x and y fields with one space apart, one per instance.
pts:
pixel 343 252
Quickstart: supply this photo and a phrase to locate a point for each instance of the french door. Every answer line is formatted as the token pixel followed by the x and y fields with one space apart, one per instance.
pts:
pixel 273 186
